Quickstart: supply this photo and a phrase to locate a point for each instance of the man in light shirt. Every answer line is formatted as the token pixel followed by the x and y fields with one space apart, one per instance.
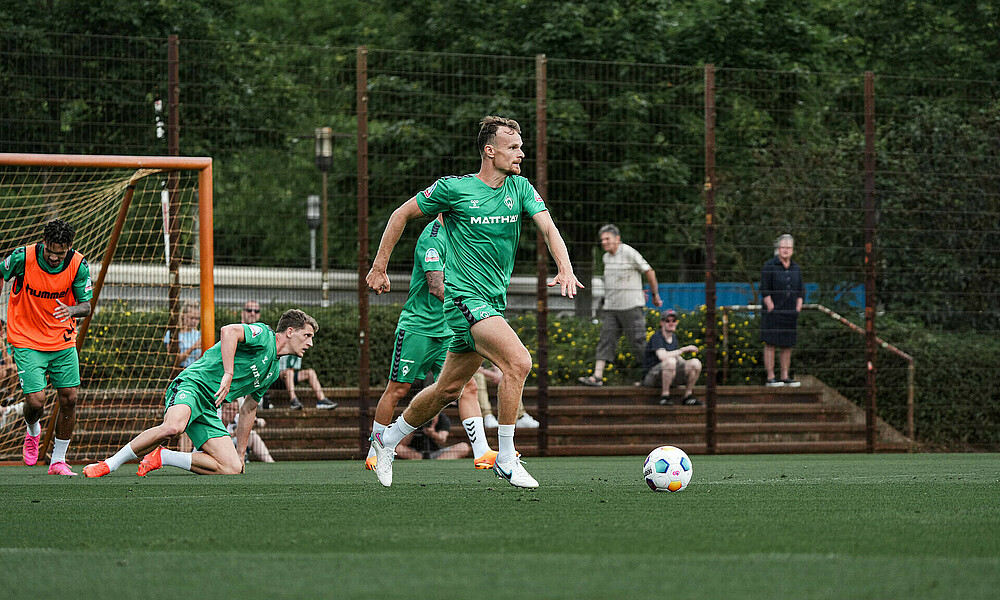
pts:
pixel 623 301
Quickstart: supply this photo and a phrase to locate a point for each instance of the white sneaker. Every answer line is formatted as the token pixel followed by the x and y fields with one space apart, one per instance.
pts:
pixel 515 474
pixel 384 458
pixel 526 422
pixel 490 422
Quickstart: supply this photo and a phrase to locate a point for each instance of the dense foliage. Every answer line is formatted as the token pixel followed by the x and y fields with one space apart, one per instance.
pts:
pixel 256 78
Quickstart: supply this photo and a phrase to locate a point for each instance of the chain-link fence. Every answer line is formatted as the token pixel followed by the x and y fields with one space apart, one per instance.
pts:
pixel 623 143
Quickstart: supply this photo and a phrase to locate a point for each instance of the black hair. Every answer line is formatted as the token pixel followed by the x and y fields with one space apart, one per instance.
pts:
pixel 58 231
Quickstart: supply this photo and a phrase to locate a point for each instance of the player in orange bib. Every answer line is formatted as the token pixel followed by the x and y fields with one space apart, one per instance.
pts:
pixel 52 288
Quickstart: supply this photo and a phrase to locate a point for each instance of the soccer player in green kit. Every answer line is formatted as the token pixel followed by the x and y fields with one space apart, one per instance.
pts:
pixel 243 363
pixel 421 344
pixel 482 215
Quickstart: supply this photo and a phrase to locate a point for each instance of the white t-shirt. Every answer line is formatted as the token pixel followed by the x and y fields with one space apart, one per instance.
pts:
pixel 623 272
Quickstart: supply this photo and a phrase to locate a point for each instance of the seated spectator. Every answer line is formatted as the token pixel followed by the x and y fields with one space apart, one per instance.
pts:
pixel 9 385
pixel 10 414
pixel 292 373
pixel 9 410
pixel 663 364
pixel 429 441
pixel 524 420
pixel 229 412
pixel 188 337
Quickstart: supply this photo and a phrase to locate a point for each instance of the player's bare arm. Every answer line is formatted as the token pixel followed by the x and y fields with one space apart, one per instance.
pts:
pixel 557 248
pixel 64 312
pixel 654 288
pixel 377 279
pixel 231 336
pixel 435 284
pixel 248 416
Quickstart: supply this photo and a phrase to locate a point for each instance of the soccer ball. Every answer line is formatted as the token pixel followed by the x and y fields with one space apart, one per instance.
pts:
pixel 667 469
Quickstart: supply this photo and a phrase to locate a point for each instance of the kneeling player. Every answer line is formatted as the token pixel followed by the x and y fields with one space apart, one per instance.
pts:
pixel 243 363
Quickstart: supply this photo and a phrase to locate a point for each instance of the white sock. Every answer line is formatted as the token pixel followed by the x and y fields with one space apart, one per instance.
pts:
pixel 395 433
pixel 505 433
pixel 121 457
pixel 172 458
pixel 59 450
pixel 477 435
pixel 34 429
pixel 376 428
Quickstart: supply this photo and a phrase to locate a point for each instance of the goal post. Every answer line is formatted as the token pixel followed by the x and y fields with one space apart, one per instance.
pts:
pixel 147 222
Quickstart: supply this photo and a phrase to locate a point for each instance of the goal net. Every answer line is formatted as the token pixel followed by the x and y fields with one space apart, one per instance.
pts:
pixel 140 224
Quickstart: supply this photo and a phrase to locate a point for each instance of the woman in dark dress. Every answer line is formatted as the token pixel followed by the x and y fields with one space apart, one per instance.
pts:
pixel 782 293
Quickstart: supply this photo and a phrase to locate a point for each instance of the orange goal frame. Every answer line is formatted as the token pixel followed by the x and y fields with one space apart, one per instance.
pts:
pixel 203 165
pixel 174 163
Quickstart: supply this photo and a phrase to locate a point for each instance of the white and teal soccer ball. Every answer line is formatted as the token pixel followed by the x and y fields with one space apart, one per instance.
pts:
pixel 667 469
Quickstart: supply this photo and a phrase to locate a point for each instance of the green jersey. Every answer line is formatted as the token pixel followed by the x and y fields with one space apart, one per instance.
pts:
pixel 13 267
pixel 423 313
pixel 255 366
pixel 483 227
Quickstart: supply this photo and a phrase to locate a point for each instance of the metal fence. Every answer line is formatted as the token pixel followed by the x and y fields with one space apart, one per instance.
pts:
pixel 889 185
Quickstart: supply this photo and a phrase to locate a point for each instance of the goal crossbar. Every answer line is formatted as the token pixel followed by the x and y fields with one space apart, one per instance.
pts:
pixel 202 164
pixel 143 165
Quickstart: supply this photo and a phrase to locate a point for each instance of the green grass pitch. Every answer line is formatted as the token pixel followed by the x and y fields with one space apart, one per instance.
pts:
pixel 844 526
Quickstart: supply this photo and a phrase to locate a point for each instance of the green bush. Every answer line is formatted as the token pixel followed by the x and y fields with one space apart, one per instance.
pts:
pixel 573 343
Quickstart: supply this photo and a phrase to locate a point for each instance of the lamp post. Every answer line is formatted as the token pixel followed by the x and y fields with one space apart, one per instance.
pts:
pixel 313 221
pixel 324 160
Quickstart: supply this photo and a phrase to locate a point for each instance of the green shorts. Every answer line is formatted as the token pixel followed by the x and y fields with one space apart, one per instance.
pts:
pixel 413 355
pixel 461 314
pixel 62 366
pixel 205 422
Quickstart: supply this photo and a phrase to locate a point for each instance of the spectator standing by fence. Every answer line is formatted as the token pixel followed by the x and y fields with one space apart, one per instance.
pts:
pixel 622 310
pixel 782 293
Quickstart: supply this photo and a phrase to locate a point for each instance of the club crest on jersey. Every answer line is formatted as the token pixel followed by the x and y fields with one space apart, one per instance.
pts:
pixel 508 202
pixel 427 193
pixel 432 255
pixel 255 330
pixel 405 369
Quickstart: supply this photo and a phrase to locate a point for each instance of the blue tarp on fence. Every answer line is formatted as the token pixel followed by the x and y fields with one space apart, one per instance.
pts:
pixel 691 296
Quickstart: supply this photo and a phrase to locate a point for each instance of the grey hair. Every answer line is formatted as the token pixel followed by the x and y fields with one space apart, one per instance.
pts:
pixel 609 228
pixel 785 237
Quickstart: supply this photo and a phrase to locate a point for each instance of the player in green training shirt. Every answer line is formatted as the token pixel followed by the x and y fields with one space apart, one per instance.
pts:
pixel 421 344
pixel 243 363
pixel 51 289
pixel 482 216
